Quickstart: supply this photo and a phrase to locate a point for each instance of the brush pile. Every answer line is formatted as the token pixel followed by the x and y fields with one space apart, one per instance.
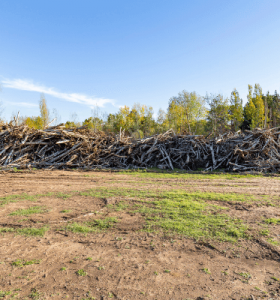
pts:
pixel 60 148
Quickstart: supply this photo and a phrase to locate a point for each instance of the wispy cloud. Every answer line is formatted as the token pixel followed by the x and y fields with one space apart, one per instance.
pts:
pixel 27 85
pixel 23 104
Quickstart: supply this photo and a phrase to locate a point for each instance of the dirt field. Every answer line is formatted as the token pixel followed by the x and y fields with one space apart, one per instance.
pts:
pixel 134 235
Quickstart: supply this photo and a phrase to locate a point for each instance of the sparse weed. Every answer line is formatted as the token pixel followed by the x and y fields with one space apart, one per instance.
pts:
pixel 245 275
pixel 206 271
pixel 81 272
pixel 166 271
pixel 20 263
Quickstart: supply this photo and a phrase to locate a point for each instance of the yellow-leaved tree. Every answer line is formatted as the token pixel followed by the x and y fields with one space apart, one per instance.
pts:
pixel 254 109
pixel 44 112
pixel 185 111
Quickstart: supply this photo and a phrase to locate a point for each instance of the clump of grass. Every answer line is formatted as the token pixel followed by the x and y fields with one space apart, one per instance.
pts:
pixel 89 258
pixel 63 269
pixel 32 231
pixel 81 272
pixel 272 221
pixel 104 223
pixel 264 232
pixel 166 271
pixel 21 263
pixel 26 231
pixel 28 211
pixel 65 211
pixel 245 275
pixel 96 225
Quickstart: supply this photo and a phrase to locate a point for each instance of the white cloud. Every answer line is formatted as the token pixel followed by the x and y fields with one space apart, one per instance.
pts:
pixel 23 104
pixel 26 85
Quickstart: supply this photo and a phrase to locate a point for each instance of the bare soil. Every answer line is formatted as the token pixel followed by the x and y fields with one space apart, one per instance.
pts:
pixel 125 262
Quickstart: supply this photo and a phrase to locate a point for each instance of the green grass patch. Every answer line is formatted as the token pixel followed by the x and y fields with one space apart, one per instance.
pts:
pixel 272 221
pixel 15 198
pixel 157 173
pixel 29 211
pixel 151 194
pixel 32 231
pixel 94 226
pixel 21 263
pixel 181 212
pixel 25 231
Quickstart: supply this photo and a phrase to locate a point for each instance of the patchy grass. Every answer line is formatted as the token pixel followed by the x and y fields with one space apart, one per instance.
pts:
pixel 15 198
pixel 21 263
pixel 157 173
pixel 26 231
pixel 272 221
pixel 29 211
pixel 94 226
pixel 147 194
pixel 182 212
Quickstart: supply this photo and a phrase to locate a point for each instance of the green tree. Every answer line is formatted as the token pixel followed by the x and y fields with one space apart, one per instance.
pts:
pixel 218 115
pixel 236 110
pixel 44 112
pixel 186 110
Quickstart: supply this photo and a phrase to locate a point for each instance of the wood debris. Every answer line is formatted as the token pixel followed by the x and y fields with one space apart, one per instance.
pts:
pixel 59 148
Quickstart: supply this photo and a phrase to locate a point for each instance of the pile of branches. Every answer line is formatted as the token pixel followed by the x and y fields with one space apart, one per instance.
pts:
pixel 60 148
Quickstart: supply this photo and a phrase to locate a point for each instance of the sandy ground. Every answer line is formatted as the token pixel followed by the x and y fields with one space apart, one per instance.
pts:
pixel 125 262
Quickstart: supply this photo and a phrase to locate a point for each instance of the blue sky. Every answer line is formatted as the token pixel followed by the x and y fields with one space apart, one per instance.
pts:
pixel 110 53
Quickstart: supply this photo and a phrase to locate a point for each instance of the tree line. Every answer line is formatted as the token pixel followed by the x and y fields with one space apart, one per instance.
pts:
pixel 187 113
